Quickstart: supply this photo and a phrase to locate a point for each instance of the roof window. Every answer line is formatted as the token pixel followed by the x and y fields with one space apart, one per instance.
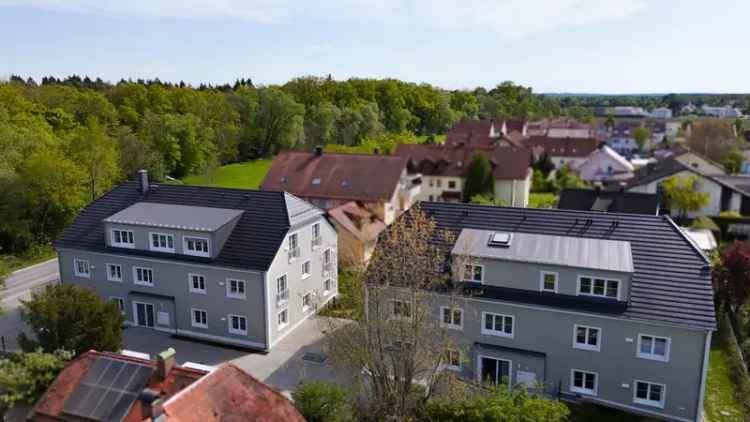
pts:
pixel 316 181
pixel 346 183
pixel 500 239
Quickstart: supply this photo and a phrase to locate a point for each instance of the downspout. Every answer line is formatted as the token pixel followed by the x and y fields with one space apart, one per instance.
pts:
pixel 702 391
pixel 268 310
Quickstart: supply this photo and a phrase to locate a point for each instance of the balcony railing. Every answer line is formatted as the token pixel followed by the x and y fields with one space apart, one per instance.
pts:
pixel 282 298
pixel 293 253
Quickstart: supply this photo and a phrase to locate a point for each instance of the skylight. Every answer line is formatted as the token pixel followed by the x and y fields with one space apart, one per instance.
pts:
pixel 500 239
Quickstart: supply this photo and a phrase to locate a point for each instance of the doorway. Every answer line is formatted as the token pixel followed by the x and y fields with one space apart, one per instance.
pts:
pixel 143 314
pixel 494 371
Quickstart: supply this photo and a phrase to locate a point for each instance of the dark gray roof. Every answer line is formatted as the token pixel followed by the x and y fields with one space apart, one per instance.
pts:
pixel 252 244
pixel 183 217
pixel 657 171
pixel 607 201
pixel 671 282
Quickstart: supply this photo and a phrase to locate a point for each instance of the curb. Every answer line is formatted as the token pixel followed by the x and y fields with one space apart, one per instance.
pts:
pixel 33 266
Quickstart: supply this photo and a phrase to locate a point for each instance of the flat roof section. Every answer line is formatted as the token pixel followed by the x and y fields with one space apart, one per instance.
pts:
pixel 173 216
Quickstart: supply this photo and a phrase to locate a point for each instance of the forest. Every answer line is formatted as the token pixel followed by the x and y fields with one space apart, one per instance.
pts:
pixel 66 141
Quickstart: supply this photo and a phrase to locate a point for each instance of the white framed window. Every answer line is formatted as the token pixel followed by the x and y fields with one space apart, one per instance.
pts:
pixel 120 303
pixel 327 286
pixel 307 302
pixel 498 324
pixel 649 393
pixel 143 276
pixel 584 382
pixel 197 283
pixel 81 268
pixel 294 251
pixel 236 288
pixel 654 347
pixel 198 318
pixel 306 269
pixel 597 286
pixel 316 238
pixel 282 319
pixel 439 183
pixel 282 291
pixel 238 324
pixel 197 246
pixel 122 238
pixel 587 338
pixel 114 272
pixel 163 242
pixel 451 318
pixel 328 260
pixel 400 309
pixel 474 273
pixel 548 281
pixel 452 359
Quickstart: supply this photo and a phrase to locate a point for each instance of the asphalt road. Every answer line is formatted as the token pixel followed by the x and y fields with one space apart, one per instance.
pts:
pixel 19 285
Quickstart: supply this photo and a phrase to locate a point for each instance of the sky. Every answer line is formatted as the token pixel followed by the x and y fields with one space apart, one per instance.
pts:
pixel 581 46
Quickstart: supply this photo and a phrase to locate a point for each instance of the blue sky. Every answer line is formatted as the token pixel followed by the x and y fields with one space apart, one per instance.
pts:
pixel 606 46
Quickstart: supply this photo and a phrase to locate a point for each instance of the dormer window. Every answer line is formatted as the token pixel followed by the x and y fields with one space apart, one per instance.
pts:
pixel 123 239
pixel 197 246
pixel 500 240
pixel 162 242
pixel 590 286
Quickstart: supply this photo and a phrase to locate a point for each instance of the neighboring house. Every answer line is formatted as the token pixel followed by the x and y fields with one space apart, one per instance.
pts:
pixel 689 108
pixel 620 112
pixel 571 152
pixel 560 128
pixel 486 133
pixel 611 309
pixel 725 112
pixel 704 239
pixel 362 192
pixel 619 201
pixel 672 128
pixel 605 165
pixel 109 387
pixel 443 171
pixel 235 266
pixel 661 113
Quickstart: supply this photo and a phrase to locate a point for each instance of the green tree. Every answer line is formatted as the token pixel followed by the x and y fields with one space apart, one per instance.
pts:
pixel 320 123
pixel 137 154
pixel 479 178
pixel 68 317
pixel 318 401
pixel 96 153
pixel 567 179
pixel 683 193
pixel 641 135
pixel 278 122
pixel 713 138
pixel 483 200
pixel 24 377
pixel 732 162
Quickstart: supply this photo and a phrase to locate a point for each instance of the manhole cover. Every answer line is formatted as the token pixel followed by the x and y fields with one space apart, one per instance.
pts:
pixel 314 357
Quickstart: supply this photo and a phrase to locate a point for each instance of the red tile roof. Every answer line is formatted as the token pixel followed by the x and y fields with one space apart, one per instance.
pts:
pixel 230 394
pixel 563 147
pixel 477 133
pixel 443 160
pixel 363 224
pixel 352 177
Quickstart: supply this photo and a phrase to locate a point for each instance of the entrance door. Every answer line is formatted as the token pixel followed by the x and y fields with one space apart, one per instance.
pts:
pixel 494 371
pixel 144 314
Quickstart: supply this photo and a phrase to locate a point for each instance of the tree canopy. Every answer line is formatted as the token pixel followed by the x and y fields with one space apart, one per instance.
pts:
pixel 480 180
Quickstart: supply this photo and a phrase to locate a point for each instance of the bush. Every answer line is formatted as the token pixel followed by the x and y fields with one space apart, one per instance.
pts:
pixel 730 214
pixel 735 364
pixel 318 401
pixel 24 377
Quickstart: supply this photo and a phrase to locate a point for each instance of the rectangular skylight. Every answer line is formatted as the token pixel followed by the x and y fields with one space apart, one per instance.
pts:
pixel 500 239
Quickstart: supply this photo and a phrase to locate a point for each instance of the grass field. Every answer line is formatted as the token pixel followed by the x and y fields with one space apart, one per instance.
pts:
pixel 721 400
pixel 247 175
pixel 438 138
pixel 543 200
pixel 10 263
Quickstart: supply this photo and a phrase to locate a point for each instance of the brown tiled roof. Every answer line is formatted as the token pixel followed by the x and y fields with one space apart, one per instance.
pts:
pixel 477 133
pixel 355 177
pixel 230 394
pixel 443 160
pixel 363 224
pixel 514 125
pixel 565 147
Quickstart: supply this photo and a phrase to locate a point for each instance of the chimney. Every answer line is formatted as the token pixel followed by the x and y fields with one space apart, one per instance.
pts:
pixel 165 363
pixel 143 180
pixel 151 404
pixel 318 150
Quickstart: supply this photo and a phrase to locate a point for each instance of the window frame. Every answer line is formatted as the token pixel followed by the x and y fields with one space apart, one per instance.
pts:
pixel 587 346
pixel 473 266
pixel 314 237
pixel 542 274
pixel 606 284
pixel 239 281
pixel 281 326
pixel 192 288
pixel 77 273
pixel 648 401
pixel 187 251
pixel 198 324
pixel 452 325
pixel 393 302
pixel 151 246
pixel 652 356
pixel 120 302
pixel 142 283
pixel 308 274
pixel 497 333
pixel 109 273
pixel 329 289
pixel 296 252
pixel 584 390
pixel 449 364
pixel 307 308
pixel 128 245
pixel 237 331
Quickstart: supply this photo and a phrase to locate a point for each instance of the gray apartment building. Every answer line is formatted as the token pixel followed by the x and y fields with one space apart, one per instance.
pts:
pixel 233 266
pixel 615 309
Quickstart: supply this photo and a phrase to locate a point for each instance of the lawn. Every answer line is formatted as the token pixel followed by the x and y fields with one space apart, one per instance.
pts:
pixel 721 400
pixel 438 138
pixel 543 200
pixel 247 175
pixel 10 263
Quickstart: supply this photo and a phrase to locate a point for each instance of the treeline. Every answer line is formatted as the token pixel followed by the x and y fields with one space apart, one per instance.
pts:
pixel 649 102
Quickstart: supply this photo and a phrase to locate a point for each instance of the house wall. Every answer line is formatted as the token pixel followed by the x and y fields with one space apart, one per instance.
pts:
pixel 514 193
pixel 712 188
pixel 434 186
pixel 599 165
pixel 171 294
pixel 142 236
pixel 572 162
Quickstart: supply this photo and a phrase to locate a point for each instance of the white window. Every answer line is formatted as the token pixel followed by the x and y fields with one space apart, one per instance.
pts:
pixel 197 246
pixel 143 276
pixel 282 293
pixel 439 183
pixel 120 303
pixel 498 324
pixel 197 283
pixel 548 282
pixel 162 242
pixel 327 286
pixel 649 393
pixel 81 268
pixel 400 309
pixel 306 269
pixel 587 338
pixel 282 319
pixel 473 273
pixel 327 257
pixel 306 302
pixel 452 359
pixel 122 239
pixel 595 286
pixel 316 239
pixel 238 324
pixel 199 318
pixel 654 347
pixel 114 272
pixel 583 382
pixel 236 288
pixel 293 246
pixel 451 318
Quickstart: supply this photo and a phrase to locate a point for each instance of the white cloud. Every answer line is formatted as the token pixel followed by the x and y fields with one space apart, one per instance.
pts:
pixel 510 18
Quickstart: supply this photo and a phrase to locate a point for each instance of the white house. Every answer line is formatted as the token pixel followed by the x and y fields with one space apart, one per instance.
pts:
pixel 661 113
pixel 605 165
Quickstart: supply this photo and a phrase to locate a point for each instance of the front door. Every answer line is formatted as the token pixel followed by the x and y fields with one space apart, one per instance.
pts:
pixel 144 314
pixel 494 371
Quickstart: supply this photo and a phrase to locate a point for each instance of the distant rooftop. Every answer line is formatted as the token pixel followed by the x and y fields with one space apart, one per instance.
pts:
pixel 173 216
pixel 578 252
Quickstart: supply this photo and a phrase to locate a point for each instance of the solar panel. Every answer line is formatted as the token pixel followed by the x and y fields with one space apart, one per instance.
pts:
pixel 108 390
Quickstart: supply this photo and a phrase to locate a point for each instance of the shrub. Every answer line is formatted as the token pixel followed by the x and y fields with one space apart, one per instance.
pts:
pixel 24 377
pixel 735 364
pixel 318 401
pixel 730 214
